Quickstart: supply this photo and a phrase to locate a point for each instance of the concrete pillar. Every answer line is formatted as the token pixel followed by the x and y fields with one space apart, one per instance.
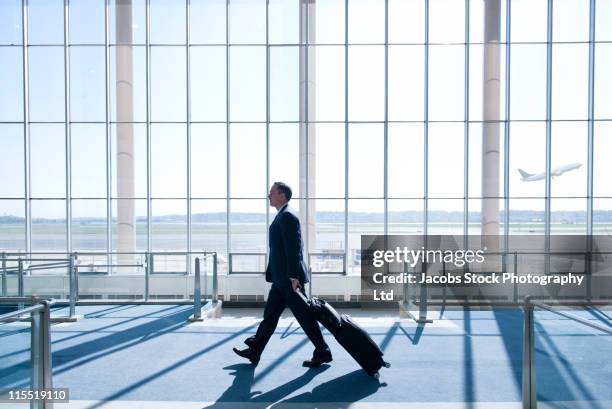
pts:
pixel 126 219
pixel 491 116
pixel 307 110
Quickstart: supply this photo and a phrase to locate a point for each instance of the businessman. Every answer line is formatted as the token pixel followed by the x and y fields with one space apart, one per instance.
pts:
pixel 287 273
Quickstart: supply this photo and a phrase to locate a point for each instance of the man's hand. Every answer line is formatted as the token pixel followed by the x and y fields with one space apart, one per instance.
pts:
pixel 295 284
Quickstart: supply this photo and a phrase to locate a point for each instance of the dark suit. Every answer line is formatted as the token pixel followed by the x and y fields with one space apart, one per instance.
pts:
pixel 286 261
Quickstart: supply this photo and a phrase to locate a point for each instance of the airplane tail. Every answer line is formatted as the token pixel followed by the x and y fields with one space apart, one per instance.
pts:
pixel 524 174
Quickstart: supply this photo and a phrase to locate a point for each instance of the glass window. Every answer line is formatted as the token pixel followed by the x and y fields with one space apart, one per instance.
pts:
pixel 209 228
pixel 12 225
pixel 445 160
pixel 285 84
pixel 570 81
pixel 89 225
pixel 366 160
pixel 168 161
pixel 129 144
pixel 247 21
pixel 603 28
pixel 526 216
pixel 406 88
pixel 602 166
pixel 365 216
pixel 208 160
pixel 446 87
pixel 87 84
pixel 527 155
pixel 248 228
pixel 569 159
pixel 571 20
pixel 405 216
pixel 208 84
pixel 48 225
pixel 366 85
pixel 529 21
pixel 568 216
pixel 88 160
pixel 445 216
pixel 169 232
pixel 405 156
pixel 477 81
pixel 46 80
pixel 86 21
pixel 128 84
pixel 603 81
pixel 366 22
pixel 446 21
pixel 45 22
pixel 330 161
pixel 285 156
pixel 131 30
pixel 168 84
pixel 602 216
pixel 248 160
pixel 406 21
pixel 12 164
pixel 11 31
pixel 528 82
pixel 329 226
pixel 330 22
pixel 284 21
pixel 48 160
pixel 247 84
pixel 208 21
pixel 329 84
pixel 134 211
pixel 168 19
pixel 11 83
pixel 475 159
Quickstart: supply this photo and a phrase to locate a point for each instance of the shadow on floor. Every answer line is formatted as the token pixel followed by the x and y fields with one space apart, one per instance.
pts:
pixel 343 390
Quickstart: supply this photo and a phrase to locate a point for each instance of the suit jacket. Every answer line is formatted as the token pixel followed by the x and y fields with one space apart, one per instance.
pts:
pixel 286 249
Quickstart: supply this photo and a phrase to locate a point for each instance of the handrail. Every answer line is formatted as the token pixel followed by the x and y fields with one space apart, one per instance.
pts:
pixel 588 323
pixel 197 289
pixel 530 400
pixel 9 316
pixel 40 351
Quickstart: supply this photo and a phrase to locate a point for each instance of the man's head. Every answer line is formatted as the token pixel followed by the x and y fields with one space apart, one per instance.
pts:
pixel 280 193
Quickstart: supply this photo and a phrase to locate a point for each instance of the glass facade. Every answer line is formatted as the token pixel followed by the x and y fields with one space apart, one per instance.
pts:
pixel 396 116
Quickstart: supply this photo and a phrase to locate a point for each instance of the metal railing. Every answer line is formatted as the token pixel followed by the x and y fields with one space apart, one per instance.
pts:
pixel 22 264
pixel 509 262
pixel 40 351
pixel 232 262
pixel 197 289
pixel 327 255
pixel 530 395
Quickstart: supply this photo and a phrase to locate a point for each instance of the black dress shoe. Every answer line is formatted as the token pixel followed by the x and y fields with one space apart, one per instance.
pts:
pixel 247 353
pixel 250 342
pixel 318 360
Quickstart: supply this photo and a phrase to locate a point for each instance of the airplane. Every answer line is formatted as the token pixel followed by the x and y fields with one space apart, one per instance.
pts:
pixel 530 177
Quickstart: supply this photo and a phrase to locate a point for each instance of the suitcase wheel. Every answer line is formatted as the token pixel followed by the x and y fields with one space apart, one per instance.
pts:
pixel 387 365
pixel 376 375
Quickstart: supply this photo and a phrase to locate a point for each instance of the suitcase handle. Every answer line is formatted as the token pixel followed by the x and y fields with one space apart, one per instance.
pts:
pixel 302 296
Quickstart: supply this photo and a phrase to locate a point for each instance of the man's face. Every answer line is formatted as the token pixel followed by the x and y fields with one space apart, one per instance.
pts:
pixel 276 197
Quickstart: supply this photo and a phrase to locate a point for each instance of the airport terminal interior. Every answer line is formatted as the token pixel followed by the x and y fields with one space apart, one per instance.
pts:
pixel 139 140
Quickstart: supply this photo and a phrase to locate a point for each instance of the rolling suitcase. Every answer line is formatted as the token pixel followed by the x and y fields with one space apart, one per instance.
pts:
pixel 351 336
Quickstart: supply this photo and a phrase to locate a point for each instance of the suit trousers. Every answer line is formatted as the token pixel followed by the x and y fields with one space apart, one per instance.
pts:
pixel 280 297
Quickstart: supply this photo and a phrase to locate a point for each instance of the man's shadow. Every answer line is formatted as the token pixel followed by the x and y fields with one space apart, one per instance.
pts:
pixel 347 388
